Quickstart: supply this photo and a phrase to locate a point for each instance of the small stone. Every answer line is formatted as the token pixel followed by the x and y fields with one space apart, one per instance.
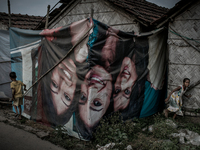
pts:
pixel 171 123
pixel 106 147
pixel 29 129
pixel 12 122
pixel 195 107
pixel 81 146
pixel 144 129
pixel 42 134
pixel 110 145
pixel 198 114
pixel 193 114
pixel 181 140
pixel 129 147
pixel 187 113
pixel 189 107
pixel 150 128
pixel 190 136
pixel 2 119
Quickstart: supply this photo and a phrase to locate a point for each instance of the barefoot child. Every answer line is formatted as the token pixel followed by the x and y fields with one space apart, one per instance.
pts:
pixel 16 87
pixel 175 99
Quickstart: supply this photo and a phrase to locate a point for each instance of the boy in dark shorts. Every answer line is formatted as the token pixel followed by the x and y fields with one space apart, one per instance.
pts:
pixel 17 98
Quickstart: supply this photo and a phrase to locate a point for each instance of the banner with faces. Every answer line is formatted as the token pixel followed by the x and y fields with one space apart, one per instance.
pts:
pixel 103 73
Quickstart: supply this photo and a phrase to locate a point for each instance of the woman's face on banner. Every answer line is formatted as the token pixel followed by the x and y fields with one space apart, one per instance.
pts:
pixel 95 95
pixel 63 84
pixel 124 83
pixel 78 30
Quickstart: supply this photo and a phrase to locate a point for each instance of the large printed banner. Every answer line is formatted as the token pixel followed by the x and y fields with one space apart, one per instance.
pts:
pixel 106 71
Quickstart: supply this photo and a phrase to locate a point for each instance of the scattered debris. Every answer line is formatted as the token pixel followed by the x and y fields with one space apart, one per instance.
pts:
pixel 129 147
pixel 150 128
pixel 190 136
pixel 106 147
pixel 168 122
pixel 42 134
pixel 2 119
pixel 171 123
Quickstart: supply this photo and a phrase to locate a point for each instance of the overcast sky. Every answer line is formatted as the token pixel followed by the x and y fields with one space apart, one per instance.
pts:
pixel 39 7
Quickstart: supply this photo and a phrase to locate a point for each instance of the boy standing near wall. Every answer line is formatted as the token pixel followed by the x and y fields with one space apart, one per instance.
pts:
pixel 16 87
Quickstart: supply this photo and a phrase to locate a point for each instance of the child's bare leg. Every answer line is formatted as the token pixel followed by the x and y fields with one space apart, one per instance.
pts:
pixel 166 113
pixel 20 111
pixel 15 107
pixel 174 116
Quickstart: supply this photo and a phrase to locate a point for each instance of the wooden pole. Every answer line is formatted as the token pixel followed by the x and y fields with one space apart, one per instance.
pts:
pixel 47 17
pixel 9 16
pixel 196 48
pixel 193 85
pixel 92 12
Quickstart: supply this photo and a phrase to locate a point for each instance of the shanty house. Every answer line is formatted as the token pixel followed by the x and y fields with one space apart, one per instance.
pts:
pixel 183 22
pixel 18 21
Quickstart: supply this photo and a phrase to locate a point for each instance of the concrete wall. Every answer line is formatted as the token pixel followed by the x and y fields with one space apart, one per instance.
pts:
pixel 184 60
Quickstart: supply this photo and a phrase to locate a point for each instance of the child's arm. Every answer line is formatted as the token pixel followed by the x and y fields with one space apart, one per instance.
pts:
pixel 188 96
pixel 25 87
pixel 13 90
pixel 13 94
pixel 176 89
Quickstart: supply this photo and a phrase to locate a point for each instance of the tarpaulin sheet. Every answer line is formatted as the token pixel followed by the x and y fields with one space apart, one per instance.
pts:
pixel 106 71
pixel 5 64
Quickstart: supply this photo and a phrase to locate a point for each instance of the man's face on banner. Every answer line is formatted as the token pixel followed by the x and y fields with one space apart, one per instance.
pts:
pixel 95 95
pixel 78 30
pixel 123 85
pixel 63 84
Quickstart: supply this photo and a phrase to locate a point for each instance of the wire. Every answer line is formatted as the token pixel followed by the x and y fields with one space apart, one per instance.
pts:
pixel 183 36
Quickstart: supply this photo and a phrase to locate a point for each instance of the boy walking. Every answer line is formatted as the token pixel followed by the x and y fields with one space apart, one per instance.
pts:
pixel 16 87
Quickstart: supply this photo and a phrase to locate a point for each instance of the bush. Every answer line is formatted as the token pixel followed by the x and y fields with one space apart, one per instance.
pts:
pixel 114 130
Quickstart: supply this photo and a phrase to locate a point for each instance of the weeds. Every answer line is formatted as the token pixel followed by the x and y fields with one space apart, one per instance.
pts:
pixel 111 130
pixel 59 137
pixel 192 127
pixel 161 129
pixel 123 133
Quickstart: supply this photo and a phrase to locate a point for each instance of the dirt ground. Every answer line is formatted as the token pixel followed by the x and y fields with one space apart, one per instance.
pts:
pixel 7 116
pixel 14 138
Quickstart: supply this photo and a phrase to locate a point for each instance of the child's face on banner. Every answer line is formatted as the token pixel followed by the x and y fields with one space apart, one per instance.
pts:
pixel 63 84
pixel 95 95
pixel 123 85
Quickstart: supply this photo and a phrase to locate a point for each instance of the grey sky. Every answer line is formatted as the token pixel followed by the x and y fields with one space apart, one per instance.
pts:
pixel 164 3
pixel 39 7
pixel 30 7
